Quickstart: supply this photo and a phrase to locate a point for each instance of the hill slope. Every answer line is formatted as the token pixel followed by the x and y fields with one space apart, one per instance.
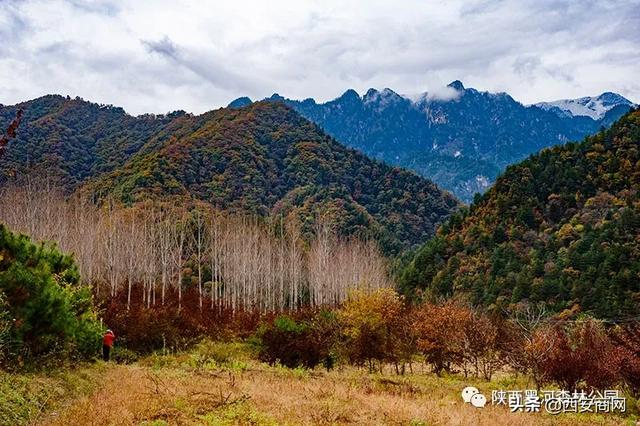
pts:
pixel 71 140
pixel 561 227
pixel 267 159
pixel 461 139
pixel 263 159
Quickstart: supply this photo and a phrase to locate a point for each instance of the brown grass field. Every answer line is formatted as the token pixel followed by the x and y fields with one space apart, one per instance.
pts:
pixel 226 386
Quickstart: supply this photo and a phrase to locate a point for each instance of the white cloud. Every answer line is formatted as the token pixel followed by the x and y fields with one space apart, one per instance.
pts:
pixel 445 93
pixel 156 56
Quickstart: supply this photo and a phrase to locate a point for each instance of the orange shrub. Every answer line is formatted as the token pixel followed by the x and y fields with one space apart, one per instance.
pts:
pixel 373 327
pixel 440 332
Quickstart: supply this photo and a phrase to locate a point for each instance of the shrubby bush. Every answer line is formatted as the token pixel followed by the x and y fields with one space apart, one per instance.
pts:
pixel 451 336
pixel 484 348
pixel 374 328
pixel 440 332
pixel 45 307
pixel 572 351
pixel 304 342
pixel 170 327
pixel 122 355
pixel 145 330
pixel 575 354
pixel 209 353
pixel 626 338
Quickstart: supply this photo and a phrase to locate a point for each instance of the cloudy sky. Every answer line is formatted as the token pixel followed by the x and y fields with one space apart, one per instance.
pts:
pixel 157 56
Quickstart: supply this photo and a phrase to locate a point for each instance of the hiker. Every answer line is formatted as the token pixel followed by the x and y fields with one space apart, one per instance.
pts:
pixel 107 343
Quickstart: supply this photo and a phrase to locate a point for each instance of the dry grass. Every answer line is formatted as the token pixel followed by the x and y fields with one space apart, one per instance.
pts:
pixel 26 397
pixel 182 390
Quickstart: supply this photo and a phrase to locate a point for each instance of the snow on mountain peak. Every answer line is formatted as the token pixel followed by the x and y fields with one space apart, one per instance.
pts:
pixel 590 106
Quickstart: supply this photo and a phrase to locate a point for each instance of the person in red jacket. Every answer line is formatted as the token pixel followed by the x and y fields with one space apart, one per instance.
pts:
pixel 107 343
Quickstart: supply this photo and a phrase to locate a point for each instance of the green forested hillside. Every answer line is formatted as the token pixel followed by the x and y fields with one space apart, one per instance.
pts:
pixel 561 227
pixel 71 140
pixel 266 159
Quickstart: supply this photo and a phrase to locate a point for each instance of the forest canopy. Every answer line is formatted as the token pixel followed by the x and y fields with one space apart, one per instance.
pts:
pixel 264 159
pixel 562 227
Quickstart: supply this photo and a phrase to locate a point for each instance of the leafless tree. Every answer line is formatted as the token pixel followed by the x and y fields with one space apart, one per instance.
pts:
pixel 199 241
pixel 253 263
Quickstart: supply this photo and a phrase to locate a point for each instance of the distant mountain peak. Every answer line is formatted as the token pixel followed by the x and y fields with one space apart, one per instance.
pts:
pixel 426 131
pixel 594 107
pixel 456 84
pixel 384 98
pixel 240 102
pixel 458 136
pixel 614 99
pixel 350 95
pixel 371 93
pixel 276 97
pixel 309 102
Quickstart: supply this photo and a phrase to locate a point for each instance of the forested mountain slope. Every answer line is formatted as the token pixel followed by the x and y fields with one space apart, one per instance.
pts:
pixel 267 159
pixel 561 227
pixel 263 159
pixel 71 140
pixel 462 138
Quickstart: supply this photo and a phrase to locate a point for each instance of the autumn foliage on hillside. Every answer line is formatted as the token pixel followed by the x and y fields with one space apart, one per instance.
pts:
pixel 71 140
pixel 264 160
pixel 562 227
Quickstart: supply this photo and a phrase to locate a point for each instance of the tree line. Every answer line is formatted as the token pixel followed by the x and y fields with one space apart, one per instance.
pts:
pixel 380 328
pixel 234 261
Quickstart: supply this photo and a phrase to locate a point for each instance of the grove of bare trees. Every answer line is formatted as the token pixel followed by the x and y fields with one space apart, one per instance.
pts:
pixel 234 262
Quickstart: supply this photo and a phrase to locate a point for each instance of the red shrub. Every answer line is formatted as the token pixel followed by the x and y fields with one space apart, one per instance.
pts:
pixel 627 339
pixel 580 353
pixel 440 332
pixel 165 326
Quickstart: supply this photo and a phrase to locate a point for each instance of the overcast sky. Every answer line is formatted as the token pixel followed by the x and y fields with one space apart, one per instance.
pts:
pixel 157 56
